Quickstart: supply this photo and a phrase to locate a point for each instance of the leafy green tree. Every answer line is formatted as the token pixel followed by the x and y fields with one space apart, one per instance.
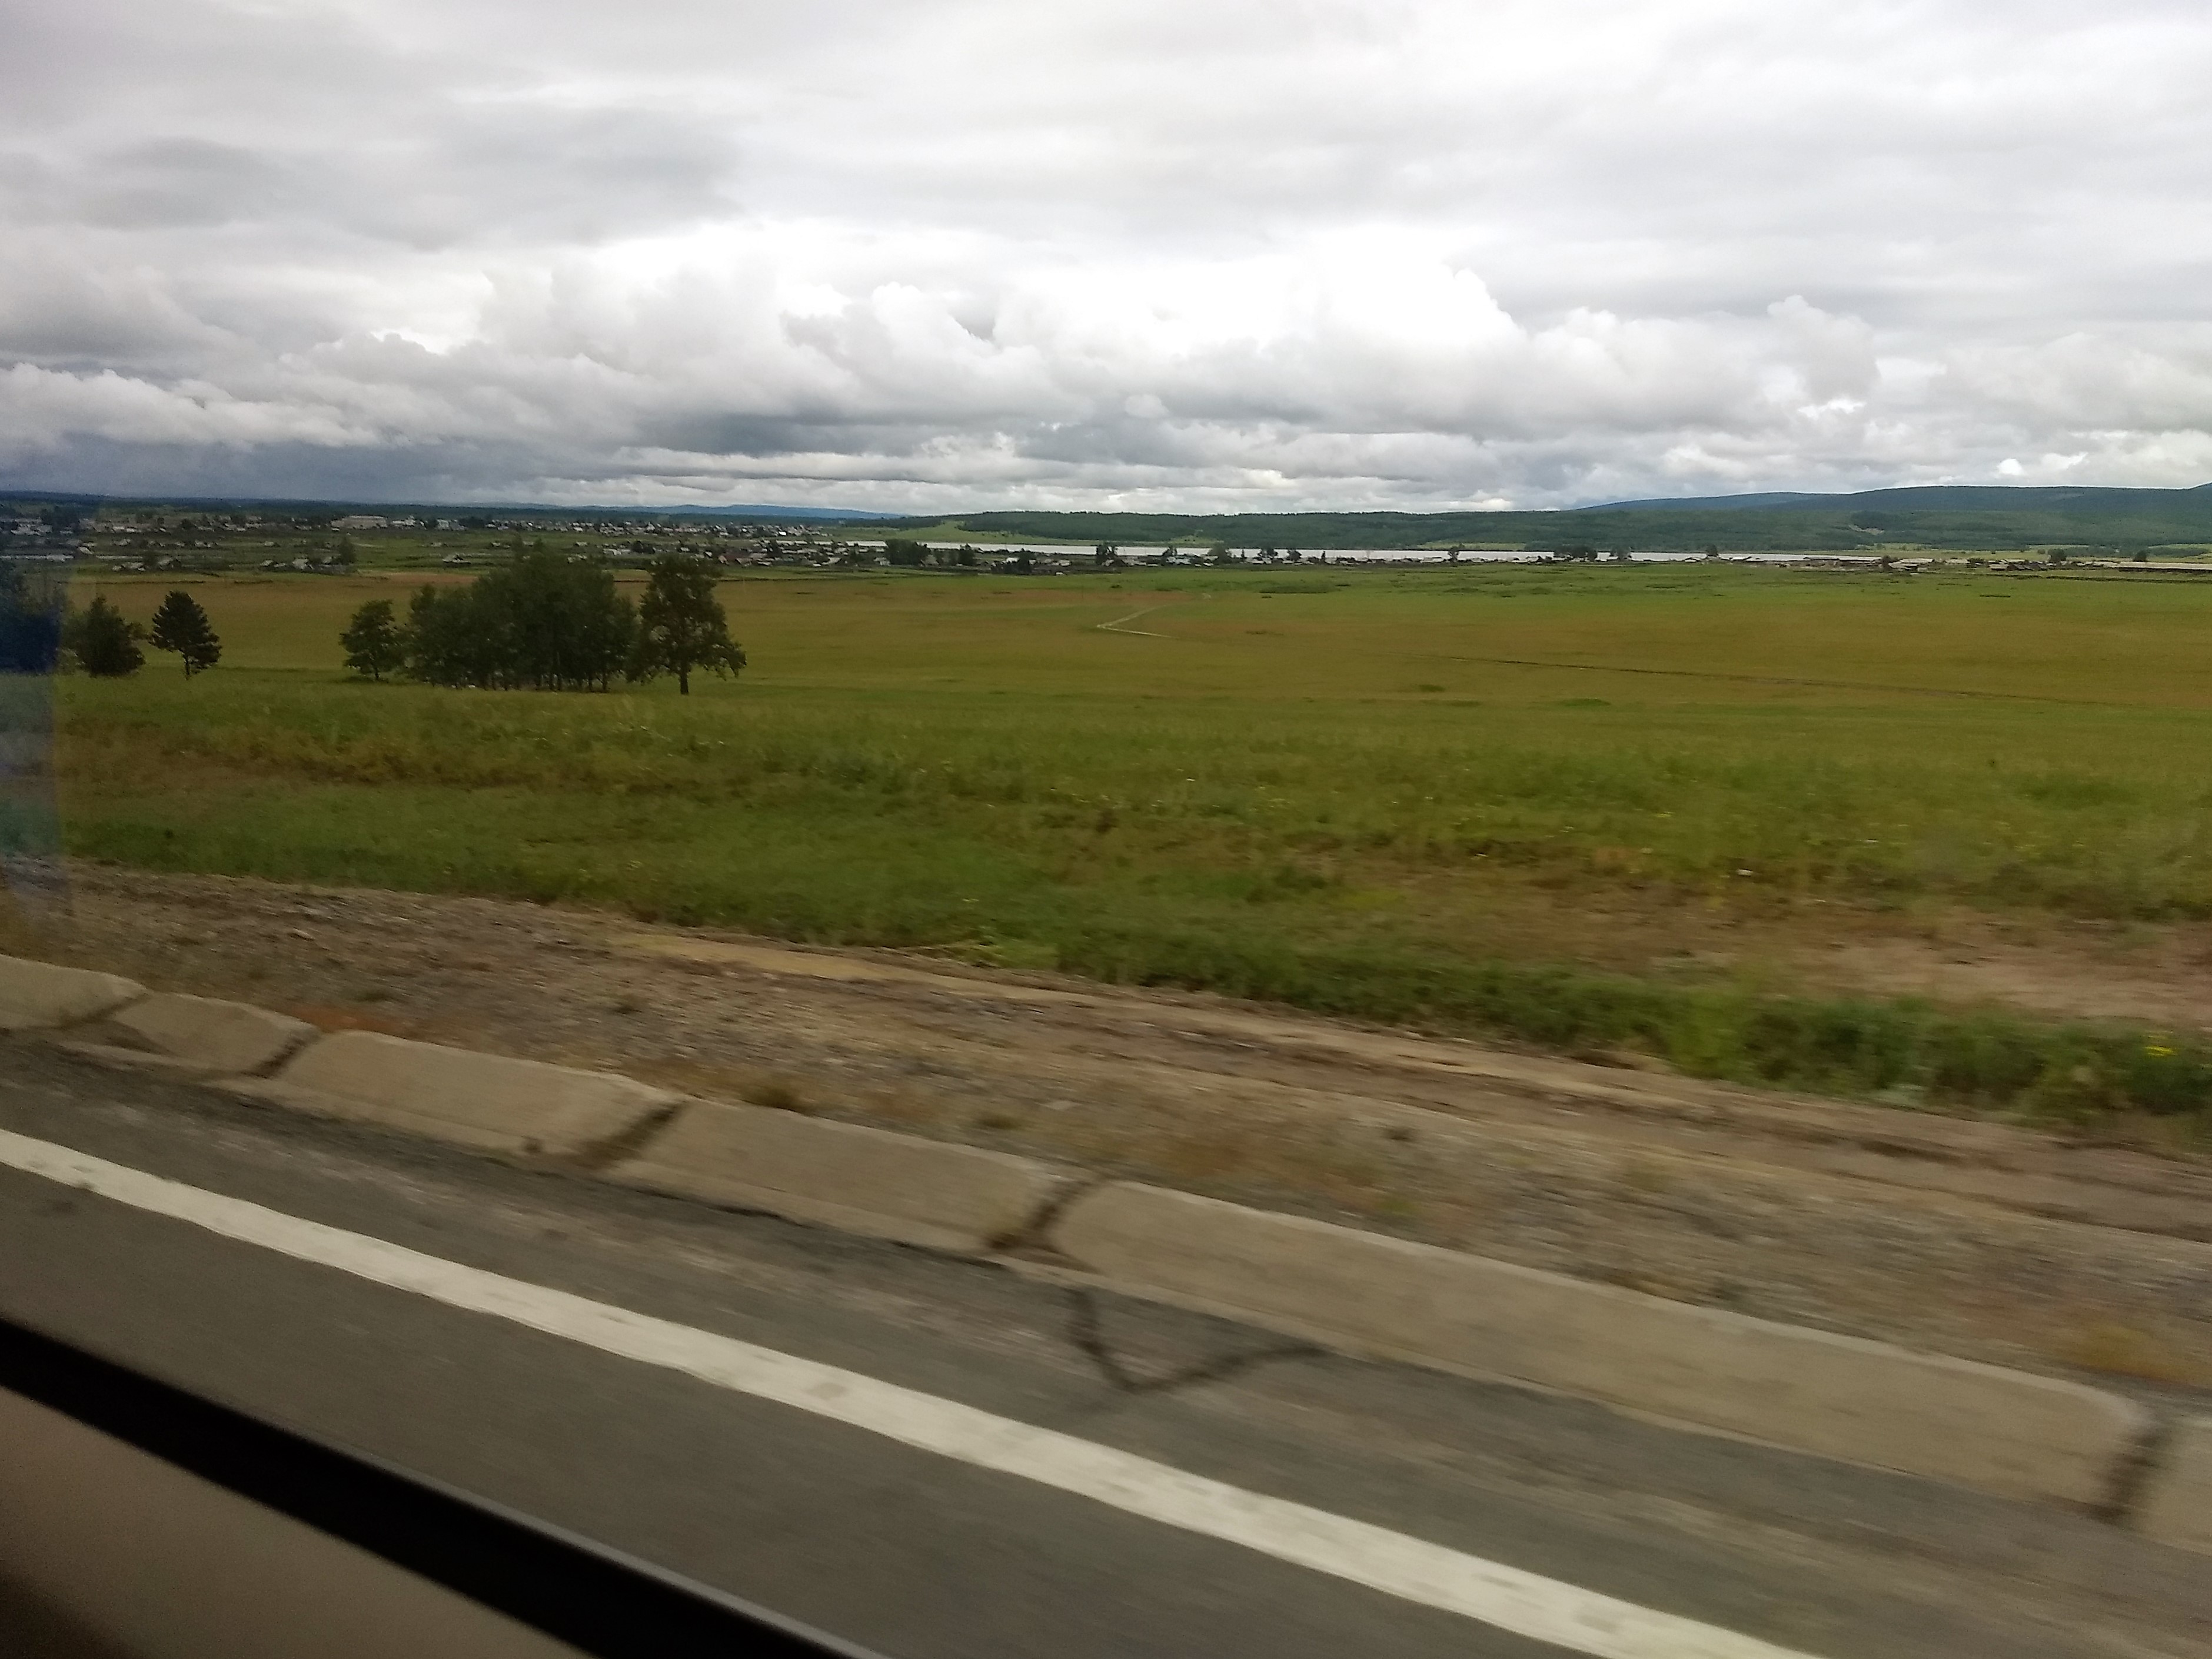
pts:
pixel 681 625
pixel 105 644
pixel 900 551
pixel 544 621
pixel 375 644
pixel 181 625
pixel 562 624
pixel 453 638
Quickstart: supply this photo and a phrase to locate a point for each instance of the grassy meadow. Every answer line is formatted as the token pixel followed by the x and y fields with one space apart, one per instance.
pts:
pixel 1335 788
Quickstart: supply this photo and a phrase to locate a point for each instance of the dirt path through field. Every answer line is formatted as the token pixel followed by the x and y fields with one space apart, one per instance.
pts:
pixel 1119 624
pixel 1982 1239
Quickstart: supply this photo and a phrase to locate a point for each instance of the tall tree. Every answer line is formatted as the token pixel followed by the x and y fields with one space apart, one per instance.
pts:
pixel 181 626
pixel 681 625
pixel 106 644
pixel 374 640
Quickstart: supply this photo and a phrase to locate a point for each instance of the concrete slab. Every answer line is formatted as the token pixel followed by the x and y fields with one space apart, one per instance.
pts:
pixel 840 1174
pixel 225 1037
pixel 489 1101
pixel 37 994
pixel 1837 1396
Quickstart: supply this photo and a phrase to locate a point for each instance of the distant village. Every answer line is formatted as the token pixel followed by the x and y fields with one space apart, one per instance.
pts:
pixel 320 542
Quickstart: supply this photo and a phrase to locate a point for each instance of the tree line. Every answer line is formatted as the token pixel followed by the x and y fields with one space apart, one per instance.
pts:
pixel 545 622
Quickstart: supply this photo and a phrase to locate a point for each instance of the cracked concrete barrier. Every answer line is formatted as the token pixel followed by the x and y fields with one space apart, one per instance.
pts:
pixel 195 1036
pixel 2176 1505
pixel 1837 1396
pixel 37 994
pixel 965 1199
pixel 484 1100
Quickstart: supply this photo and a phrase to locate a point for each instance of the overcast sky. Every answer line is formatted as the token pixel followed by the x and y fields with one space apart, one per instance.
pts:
pixel 1201 254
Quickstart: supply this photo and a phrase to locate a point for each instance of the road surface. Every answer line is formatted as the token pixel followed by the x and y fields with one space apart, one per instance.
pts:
pixel 613 1363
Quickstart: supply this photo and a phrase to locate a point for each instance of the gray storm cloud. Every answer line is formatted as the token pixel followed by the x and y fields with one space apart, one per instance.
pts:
pixel 1204 255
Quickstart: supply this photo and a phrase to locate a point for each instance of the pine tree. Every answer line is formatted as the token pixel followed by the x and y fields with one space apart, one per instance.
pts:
pixel 106 645
pixel 374 640
pixel 181 626
pixel 681 625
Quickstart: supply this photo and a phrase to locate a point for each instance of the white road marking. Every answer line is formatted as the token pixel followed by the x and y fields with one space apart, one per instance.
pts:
pixel 1411 1569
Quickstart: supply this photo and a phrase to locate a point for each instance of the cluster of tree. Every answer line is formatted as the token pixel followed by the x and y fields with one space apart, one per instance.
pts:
pixel 912 554
pixel 38 636
pixel 547 623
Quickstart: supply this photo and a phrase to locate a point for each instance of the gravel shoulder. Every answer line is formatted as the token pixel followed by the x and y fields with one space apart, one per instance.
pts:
pixel 1984 1240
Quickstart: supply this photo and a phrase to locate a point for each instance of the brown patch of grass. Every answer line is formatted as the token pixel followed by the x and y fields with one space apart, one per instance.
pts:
pixel 1666 1286
pixel 2118 1350
pixel 1646 1175
pixel 345 1016
pixel 777 1094
pixel 1229 1159
pixel 2143 1131
pixel 773 1090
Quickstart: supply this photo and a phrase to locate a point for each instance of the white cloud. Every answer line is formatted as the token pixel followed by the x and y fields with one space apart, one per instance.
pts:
pixel 1215 254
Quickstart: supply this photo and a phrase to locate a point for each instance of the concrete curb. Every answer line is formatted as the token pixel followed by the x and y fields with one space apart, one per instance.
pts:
pixel 2010 1432
pixel 2176 1504
pixel 962 1199
pixel 198 1036
pixel 34 995
pixel 488 1101
pixel 1836 1396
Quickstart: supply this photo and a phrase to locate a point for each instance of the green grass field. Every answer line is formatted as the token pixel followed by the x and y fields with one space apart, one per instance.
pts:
pixel 1325 786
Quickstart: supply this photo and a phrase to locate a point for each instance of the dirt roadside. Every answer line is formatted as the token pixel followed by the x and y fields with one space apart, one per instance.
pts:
pixel 1978 1239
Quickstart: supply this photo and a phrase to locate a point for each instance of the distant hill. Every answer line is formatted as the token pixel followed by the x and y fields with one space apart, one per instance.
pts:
pixel 1771 498
pixel 806 514
pixel 1962 517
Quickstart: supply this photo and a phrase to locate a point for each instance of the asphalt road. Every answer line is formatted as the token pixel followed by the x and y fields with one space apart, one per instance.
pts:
pixel 924 1553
